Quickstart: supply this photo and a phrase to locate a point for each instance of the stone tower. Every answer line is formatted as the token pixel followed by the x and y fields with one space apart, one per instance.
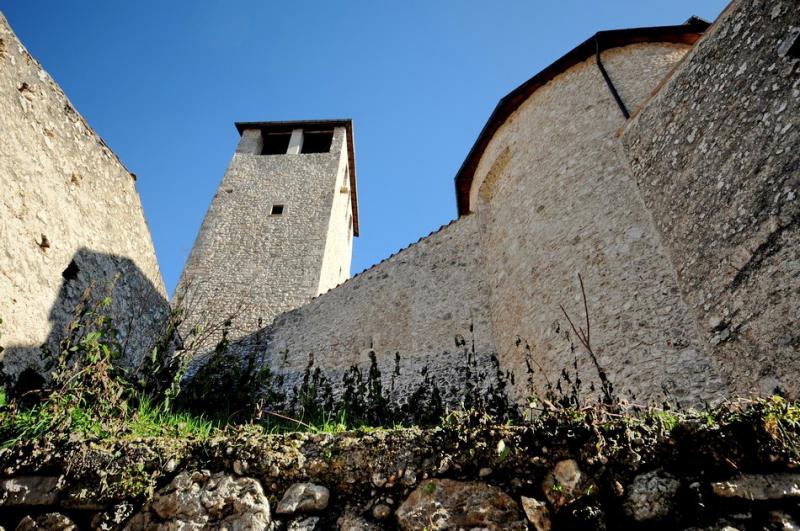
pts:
pixel 280 228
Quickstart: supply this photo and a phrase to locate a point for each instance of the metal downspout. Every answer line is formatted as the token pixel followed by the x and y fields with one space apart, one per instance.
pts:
pixel 609 83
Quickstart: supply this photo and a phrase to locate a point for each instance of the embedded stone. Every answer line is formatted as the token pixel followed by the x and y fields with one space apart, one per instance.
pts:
pixel 303 497
pixel 112 517
pixel 352 522
pixel 200 500
pixel 782 521
pixel 449 504
pixel 563 483
pixel 759 487
pixel 537 513
pixel 381 511
pixel 29 490
pixel 47 522
pixel 304 524
pixel 651 496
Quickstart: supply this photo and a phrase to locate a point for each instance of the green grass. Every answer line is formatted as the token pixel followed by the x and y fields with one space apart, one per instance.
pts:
pixel 146 418
pixel 18 424
pixel 150 420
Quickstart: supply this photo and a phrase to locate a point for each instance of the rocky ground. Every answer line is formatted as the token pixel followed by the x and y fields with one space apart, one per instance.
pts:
pixel 735 468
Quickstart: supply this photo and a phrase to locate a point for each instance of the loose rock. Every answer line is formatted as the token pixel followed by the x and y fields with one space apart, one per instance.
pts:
pixel 303 497
pixel 448 504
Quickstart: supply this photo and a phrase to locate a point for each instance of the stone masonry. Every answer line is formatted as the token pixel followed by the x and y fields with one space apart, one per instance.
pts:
pixel 555 200
pixel 716 161
pixel 250 264
pixel 425 304
pixel 681 221
pixel 70 216
pixel 552 194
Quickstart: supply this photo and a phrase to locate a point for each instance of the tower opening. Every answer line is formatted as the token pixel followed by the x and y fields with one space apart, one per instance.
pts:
pixel 276 143
pixel 317 141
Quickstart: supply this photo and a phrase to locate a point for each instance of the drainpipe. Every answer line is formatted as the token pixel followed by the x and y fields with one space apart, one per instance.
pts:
pixel 609 83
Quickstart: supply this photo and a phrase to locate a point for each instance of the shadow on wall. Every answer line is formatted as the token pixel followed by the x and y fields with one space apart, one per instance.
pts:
pixel 138 309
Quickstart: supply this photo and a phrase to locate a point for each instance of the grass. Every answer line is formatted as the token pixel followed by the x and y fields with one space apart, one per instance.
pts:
pixel 20 424
pixel 145 418
pixel 151 420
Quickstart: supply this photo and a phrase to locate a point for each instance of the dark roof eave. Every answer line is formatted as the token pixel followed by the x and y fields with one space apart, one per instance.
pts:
pixel 351 157
pixel 687 33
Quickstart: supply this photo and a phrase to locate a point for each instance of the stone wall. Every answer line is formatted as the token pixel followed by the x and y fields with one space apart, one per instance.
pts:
pixel 719 471
pixel 427 304
pixel 716 160
pixel 338 253
pixel 69 216
pixel 253 265
pixel 555 200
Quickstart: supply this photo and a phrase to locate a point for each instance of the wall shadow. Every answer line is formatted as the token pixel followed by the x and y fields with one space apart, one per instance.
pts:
pixel 138 308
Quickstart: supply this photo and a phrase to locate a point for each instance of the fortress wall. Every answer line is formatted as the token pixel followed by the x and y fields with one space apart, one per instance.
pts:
pixel 64 196
pixel 555 199
pixel 715 156
pixel 248 263
pixel 415 304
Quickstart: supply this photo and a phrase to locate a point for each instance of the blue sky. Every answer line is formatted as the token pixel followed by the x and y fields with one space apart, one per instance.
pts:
pixel 163 81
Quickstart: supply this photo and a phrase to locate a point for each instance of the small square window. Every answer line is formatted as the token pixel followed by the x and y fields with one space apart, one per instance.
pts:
pixel 277 210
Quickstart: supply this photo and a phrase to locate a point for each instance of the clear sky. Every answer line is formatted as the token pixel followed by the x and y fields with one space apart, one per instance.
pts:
pixel 163 81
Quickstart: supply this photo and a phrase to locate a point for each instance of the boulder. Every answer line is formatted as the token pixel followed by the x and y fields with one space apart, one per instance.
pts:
pixel 759 487
pixel 651 496
pixel 448 504
pixel 303 497
pixel 200 500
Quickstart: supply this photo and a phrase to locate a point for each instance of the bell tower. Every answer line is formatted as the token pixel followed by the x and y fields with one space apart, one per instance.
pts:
pixel 280 228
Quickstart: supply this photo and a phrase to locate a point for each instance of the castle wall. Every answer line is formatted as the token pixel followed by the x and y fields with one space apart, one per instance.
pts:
pixel 554 200
pixel 715 156
pixel 64 197
pixel 252 265
pixel 418 304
